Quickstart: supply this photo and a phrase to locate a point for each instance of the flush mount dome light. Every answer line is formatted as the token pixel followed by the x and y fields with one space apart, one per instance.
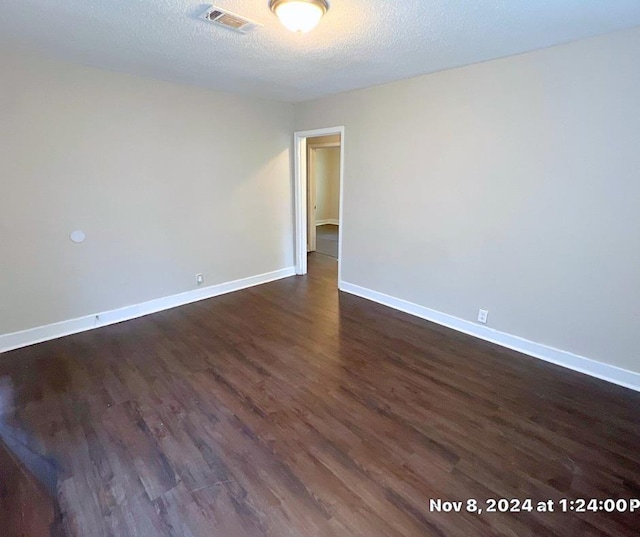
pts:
pixel 299 15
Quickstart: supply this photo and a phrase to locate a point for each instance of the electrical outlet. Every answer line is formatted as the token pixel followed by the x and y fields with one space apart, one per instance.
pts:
pixel 199 279
pixel 482 316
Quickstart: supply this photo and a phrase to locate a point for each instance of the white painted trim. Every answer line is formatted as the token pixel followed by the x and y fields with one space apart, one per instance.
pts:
pixel 300 194
pixel 610 373
pixel 38 334
pixel 331 221
pixel 300 202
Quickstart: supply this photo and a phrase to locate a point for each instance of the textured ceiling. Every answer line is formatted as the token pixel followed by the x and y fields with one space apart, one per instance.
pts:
pixel 359 43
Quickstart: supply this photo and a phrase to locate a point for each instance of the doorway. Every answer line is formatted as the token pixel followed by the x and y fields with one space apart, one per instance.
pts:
pixel 319 158
pixel 323 194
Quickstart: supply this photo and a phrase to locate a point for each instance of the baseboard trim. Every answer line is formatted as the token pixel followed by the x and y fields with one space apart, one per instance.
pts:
pixel 39 334
pixel 610 373
pixel 331 221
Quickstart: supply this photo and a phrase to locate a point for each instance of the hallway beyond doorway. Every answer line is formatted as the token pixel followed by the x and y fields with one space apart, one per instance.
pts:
pixel 319 164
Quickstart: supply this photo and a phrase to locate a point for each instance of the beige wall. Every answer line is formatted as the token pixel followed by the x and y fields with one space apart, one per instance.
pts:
pixel 166 181
pixel 511 185
pixel 327 179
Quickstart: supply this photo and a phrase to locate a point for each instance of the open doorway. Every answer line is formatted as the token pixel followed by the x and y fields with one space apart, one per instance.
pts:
pixel 319 165
pixel 323 194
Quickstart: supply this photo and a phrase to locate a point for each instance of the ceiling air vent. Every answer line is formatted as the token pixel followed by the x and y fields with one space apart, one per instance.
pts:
pixel 233 21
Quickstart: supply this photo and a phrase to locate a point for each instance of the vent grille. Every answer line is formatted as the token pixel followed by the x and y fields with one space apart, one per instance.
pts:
pixel 229 20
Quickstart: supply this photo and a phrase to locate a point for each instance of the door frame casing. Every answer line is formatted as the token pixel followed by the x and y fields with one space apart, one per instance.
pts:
pixel 301 193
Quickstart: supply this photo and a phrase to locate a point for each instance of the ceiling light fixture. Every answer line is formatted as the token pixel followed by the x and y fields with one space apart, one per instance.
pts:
pixel 300 16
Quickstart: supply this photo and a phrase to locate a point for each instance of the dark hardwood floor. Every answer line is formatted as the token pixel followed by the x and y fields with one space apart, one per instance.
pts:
pixel 293 410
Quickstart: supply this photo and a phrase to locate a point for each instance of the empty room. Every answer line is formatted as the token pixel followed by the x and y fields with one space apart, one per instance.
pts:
pixel 319 268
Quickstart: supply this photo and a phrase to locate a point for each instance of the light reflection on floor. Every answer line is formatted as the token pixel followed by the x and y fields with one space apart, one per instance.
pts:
pixel 31 509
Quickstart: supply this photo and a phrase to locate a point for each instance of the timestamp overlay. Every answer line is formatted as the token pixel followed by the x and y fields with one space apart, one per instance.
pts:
pixel 515 505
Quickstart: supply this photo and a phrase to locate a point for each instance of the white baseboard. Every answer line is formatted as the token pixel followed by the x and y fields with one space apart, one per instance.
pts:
pixel 331 221
pixel 610 373
pixel 38 334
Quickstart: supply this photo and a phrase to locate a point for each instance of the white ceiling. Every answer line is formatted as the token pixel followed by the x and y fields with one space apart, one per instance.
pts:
pixel 359 43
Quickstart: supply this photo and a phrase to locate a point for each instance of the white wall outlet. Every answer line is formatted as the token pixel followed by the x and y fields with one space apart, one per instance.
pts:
pixel 482 316
pixel 199 279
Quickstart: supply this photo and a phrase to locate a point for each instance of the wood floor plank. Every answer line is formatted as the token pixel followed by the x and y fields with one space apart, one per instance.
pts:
pixel 292 409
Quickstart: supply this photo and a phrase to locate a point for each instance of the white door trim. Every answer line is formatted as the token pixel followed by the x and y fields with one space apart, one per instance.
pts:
pixel 300 193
